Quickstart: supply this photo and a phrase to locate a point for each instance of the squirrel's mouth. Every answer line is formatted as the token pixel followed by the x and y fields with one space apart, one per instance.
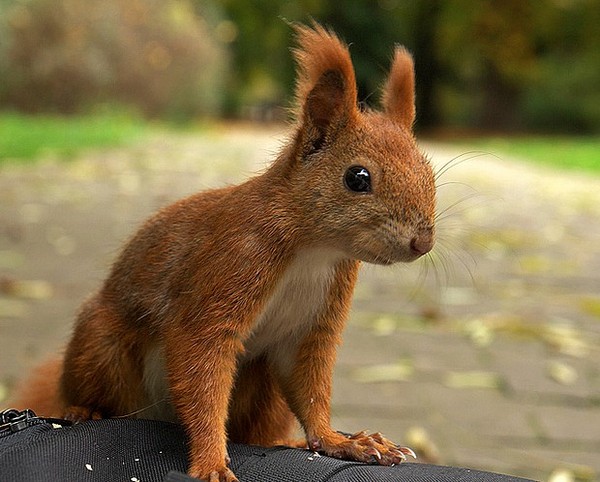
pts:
pixel 386 247
pixel 404 254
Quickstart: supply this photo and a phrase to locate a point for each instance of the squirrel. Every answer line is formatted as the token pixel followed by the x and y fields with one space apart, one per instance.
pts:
pixel 225 310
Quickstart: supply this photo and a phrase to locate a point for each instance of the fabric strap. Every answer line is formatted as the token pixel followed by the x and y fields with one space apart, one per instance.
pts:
pixel 150 451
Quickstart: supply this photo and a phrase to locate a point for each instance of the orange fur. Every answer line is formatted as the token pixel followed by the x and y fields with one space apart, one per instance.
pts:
pixel 398 99
pixel 321 51
pixel 225 309
pixel 40 391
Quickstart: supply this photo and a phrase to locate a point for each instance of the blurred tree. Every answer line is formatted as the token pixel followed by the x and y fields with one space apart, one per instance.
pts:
pixel 259 38
pixel 262 42
pixel 511 62
pixel 67 55
pixel 565 92
pixel 489 47
pixel 492 64
pixel 373 28
pixel 427 67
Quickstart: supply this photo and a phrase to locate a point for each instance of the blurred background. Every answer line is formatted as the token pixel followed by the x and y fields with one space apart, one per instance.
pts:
pixel 485 354
pixel 485 65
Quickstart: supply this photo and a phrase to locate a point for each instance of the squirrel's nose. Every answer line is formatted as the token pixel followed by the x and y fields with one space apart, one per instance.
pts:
pixel 421 244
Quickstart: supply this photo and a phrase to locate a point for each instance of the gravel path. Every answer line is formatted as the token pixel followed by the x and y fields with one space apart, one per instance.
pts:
pixel 485 355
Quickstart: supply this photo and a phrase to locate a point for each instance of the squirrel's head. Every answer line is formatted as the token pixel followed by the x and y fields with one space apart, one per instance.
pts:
pixel 359 178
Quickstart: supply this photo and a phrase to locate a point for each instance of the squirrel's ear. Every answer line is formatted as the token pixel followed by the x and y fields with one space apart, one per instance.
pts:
pixel 399 89
pixel 326 87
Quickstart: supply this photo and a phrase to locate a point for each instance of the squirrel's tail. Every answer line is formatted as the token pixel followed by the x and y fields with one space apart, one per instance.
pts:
pixel 40 391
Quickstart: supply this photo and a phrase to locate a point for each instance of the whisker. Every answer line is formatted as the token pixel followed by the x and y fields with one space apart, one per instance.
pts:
pixel 457 250
pixel 460 159
pixel 440 258
pixel 453 183
pixel 468 264
pixel 421 278
pixel 143 409
pixel 464 199
pixel 455 161
pixel 451 261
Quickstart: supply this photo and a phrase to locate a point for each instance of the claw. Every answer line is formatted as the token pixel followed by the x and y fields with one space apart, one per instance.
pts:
pixel 407 451
pixel 315 444
pixel 360 434
pixel 374 452
pixel 396 453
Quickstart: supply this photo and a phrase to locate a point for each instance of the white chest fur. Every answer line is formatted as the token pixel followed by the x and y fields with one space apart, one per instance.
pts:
pixel 297 300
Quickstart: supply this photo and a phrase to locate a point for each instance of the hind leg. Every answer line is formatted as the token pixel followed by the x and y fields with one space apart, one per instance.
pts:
pixel 102 367
pixel 258 413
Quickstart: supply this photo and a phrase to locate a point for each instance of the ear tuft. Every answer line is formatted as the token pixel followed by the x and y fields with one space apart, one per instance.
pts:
pixel 399 90
pixel 326 85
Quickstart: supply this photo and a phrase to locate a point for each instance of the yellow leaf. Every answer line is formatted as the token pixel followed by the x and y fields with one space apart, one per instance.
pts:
pixel 30 289
pixel 561 475
pixel 396 372
pixel 562 373
pixel 474 379
pixel 420 441
pixel 591 306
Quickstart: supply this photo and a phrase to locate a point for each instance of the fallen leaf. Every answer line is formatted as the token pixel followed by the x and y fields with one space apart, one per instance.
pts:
pixel 474 379
pixel 30 289
pixel 419 440
pixel 534 265
pixel 562 373
pixel 591 306
pixel 479 332
pixel 561 475
pixel 560 334
pixel 384 325
pixel 566 339
pixel 396 372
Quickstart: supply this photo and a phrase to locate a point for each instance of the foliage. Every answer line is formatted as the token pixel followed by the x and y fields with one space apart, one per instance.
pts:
pixel 26 137
pixel 65 55
pixel 523 64
pixel 493 65
pixel 510 65
pixel 263 36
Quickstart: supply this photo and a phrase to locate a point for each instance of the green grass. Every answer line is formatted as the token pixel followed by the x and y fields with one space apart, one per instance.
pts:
pixel 26 137
pixel 573 153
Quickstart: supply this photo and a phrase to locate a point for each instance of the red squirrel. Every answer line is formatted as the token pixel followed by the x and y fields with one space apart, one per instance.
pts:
pixel 225 310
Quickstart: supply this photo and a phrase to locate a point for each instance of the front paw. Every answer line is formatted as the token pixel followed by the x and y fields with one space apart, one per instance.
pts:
pixel 361 447
pixel 224 474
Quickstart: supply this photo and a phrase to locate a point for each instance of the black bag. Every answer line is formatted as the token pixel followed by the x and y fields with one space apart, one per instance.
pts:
pixel 36 449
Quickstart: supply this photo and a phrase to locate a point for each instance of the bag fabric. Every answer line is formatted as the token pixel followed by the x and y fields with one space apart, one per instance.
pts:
pixel 150 451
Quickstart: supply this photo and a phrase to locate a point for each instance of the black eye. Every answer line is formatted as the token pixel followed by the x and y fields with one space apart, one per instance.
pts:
pixel 358 179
